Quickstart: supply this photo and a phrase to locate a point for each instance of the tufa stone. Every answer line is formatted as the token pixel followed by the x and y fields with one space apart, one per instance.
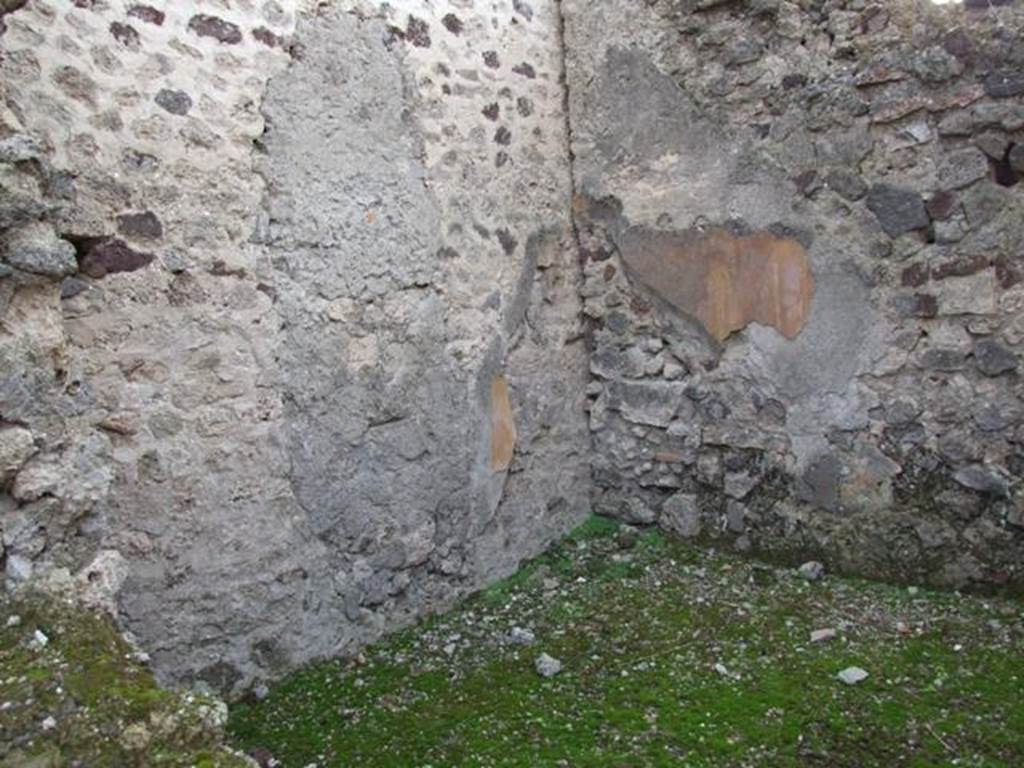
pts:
pixel 16 447
pixel 993 359
pixel 681 515
pixel 38 250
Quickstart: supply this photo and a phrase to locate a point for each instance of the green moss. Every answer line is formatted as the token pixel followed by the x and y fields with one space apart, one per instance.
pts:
pixel 639 633
pixel 107 709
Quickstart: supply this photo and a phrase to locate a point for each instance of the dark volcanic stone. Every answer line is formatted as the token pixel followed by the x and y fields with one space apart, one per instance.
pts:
pixel 789 82
pixel 847 183
pixel 915 275
pixel 144 224
pixel 897 209
pixel 939 359
pixel 148 14
pixel 981 478
pixel 175 102
pixel 417 32
pixel 960 267
pixel 1004 85
pixel 125 34
pixel 503 136
pixel 491 59
pixel 112 256
pixel 141 162
pixel 523 9
pixel 941 205
pixel 819 484
pixel 993 359
pixel 508 242
pixel 223 31
pixel 492 111
pixel 452 23
pixel 71 287
pixel 526 70
pixel 268 38
pixel 1016 158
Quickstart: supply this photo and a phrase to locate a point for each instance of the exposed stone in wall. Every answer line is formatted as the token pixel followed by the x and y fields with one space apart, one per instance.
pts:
pixel 261 264
pixel 886 435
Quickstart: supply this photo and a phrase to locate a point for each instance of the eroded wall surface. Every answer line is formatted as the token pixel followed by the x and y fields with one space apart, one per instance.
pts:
pixel 875 416
pixel 289 319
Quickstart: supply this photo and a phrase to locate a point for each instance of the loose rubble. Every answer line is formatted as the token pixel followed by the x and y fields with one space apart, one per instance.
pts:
pixel 547 666
pixel 677 648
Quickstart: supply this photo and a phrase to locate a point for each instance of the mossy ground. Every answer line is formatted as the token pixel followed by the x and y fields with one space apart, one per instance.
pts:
pixel 76 695
pixel 671 655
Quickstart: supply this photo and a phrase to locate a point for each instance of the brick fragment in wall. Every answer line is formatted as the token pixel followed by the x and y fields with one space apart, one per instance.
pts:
pixel 111 256
pixel 723 280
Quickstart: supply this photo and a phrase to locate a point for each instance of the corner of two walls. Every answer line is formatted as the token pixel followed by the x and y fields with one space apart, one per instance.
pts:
pixel 264 438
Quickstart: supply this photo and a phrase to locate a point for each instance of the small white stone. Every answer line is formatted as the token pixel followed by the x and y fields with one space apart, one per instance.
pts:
pixel 13 621
pixel 521 636
pixel 49 724
pixel 39 640
pixel 547 666
pixel 852 675
pixel 721 669
pixel 823 635
pixel 812 571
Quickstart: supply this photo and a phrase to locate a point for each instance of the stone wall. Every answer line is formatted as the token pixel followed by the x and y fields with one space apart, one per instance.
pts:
pixel 804 244
pixel 294 333
pixel 289 317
